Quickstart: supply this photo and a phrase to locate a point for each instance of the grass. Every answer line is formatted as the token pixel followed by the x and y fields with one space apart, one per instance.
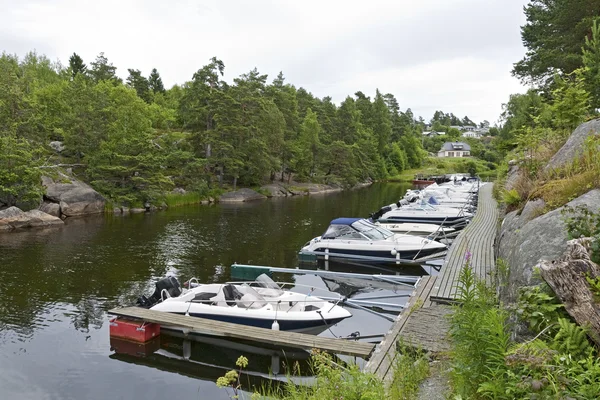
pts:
pixel 559 192
pixel 182 199
pixel 411 368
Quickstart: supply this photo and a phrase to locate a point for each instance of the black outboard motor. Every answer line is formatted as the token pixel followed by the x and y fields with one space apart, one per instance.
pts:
pixel 170 284
pixel 377 214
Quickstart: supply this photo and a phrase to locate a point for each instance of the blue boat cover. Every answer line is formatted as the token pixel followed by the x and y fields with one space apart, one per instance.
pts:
pixel 433 200
pixel 344 221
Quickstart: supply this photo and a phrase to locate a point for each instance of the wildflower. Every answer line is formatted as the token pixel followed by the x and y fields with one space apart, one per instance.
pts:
pixel 242 362
pixel 468 256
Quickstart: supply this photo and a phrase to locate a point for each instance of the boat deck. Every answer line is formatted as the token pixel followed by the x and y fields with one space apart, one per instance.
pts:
pixel 477 239
pixel 226 329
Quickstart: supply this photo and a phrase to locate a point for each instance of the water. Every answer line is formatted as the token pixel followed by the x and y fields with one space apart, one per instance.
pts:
pixel 56 285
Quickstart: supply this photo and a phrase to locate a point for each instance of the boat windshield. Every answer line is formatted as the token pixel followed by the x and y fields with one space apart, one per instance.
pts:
pixel 338 231
pixel 371 231
pixel 269 287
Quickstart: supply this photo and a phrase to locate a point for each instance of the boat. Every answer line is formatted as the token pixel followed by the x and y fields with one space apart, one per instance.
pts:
pixel 361 239
pixel 416 229
pixel 423 213
pixel 262 303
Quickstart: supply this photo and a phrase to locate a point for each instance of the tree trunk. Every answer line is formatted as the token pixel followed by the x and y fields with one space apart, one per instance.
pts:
pixel 567 277
pixel 234 183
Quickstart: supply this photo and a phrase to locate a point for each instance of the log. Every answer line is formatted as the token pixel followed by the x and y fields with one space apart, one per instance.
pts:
pixel 63 165
pixel 567 277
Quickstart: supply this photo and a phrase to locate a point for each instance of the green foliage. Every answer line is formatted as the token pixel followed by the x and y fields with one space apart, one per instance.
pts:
pixel 20 177
pixel 511 197
pixel 181 199
pixel 411 367
pixel 553 35
pixel 333 381
pixel 538 307
pixel 571 101
pixel 583 222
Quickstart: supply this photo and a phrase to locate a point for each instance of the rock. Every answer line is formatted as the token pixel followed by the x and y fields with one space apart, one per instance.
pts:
pixel 50 208
pixel 137 210
pixel 15 218
pixel 275 190
pixel 204 202
pixel 178 190
pixel 513 176
pixel 526 239
pixel 57 146
pixel 75 198
pixel 241 195
pixel 533 209
pixel 574 146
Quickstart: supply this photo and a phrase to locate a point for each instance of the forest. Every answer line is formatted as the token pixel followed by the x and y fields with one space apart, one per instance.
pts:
pixel 135 140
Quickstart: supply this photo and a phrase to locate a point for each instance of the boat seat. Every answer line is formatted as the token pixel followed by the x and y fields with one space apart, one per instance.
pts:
pixel 231 294
pixel 203 297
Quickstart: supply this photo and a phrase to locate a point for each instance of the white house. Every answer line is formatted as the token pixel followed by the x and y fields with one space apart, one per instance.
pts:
pixel 472 134
pixel 455 149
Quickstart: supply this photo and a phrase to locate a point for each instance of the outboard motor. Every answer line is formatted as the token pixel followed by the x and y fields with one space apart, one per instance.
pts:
pixel 377 214
pixel 170 284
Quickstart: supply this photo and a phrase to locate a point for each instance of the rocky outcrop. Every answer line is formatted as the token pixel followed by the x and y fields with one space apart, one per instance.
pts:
pixel 276 190
pixel 50 208
pixel 315 188
pixel 15 218
pixel 242 195
pixel 574 146
pixel 74 197
pixel 529 236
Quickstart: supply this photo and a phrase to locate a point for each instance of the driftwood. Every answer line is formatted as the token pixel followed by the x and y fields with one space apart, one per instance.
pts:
pixel 567 277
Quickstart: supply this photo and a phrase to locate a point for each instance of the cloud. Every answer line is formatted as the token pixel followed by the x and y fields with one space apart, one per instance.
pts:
pixel 453 55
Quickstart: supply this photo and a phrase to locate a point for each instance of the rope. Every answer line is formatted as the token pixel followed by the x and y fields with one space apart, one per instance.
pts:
pixel 327 325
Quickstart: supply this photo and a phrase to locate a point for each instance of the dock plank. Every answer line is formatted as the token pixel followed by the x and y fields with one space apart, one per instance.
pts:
pixel 477 238
pixel 227 329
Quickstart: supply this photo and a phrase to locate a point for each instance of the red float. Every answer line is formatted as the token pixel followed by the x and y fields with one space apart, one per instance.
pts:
pixel 136 331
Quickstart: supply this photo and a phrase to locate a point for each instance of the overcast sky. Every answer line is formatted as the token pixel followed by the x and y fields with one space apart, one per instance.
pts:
pixel 450 55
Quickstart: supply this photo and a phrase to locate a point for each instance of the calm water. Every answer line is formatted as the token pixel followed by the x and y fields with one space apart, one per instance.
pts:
pixel 56 285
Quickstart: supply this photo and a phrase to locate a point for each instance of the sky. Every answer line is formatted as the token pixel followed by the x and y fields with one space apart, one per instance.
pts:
pixel 449 55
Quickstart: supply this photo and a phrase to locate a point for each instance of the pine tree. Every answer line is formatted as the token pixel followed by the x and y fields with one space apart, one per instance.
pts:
pixel 77 65
pixel 102 70
pixel 141 85
pixel 155 82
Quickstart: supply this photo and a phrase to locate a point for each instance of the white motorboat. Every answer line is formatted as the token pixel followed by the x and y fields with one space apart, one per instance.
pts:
pixel 261 303
pixel 360 239
pixel 416 229
pixel 422 213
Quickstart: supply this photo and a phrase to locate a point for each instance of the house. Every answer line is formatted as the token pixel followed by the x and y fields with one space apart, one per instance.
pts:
pixel 455 149
pixel 472 134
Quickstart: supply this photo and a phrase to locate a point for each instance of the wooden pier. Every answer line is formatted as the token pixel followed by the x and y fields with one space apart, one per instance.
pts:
pixel 478 240
pixel 226 329
pixel 424 322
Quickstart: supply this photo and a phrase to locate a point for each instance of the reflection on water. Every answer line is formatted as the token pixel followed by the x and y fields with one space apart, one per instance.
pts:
pixel 56 285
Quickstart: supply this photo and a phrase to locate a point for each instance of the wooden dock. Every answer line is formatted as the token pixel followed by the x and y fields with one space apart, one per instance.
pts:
pixel 478 239
pixel 424 322
pixel 226 329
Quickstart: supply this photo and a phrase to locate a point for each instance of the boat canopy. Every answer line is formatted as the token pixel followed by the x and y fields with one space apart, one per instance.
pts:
pixel 355 228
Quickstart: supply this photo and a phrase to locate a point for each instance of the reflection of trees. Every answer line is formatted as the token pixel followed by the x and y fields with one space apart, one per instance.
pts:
pixel 98 263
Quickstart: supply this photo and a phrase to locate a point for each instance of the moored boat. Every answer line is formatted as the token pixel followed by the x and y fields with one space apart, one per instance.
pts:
pixel 262 303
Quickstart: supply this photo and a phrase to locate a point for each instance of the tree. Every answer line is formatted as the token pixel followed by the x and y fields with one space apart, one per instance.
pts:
pixel 381 122
pixel 102 70
pixel 155 82
pixel 20 179
pixel 591 63
pixel 571 102
pixel 141 85
pixel 309 145
pixel 553 35
pixel 77 65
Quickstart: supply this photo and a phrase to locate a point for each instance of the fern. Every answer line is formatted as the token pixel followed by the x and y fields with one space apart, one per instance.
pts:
pixel 572 339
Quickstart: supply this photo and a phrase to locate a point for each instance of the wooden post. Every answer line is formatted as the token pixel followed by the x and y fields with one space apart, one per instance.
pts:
pixel 567 277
